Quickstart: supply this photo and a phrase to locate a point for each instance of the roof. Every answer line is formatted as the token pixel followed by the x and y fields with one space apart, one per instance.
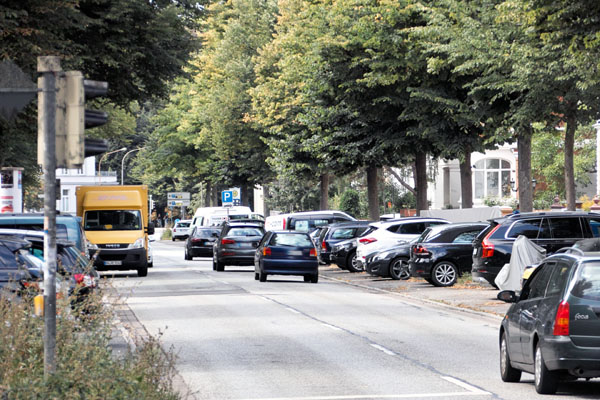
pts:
pixel 405 220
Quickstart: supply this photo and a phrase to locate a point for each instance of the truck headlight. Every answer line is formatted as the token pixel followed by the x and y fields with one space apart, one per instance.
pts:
pixel 137 244
pixel 92 246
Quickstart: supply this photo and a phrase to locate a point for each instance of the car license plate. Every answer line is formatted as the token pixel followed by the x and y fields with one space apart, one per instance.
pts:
pixel 113 262
pixel 295 253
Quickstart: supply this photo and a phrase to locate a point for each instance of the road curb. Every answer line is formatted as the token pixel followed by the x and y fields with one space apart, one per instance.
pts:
pixel 421 300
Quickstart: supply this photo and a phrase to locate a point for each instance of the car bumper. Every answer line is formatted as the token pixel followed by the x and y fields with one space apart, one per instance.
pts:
pixel 378 267
pixel 290 267
pixel 120 259
pixel 236 257
pixel 200 251
pixel 560 353
pixel 421 267
pixel 338 259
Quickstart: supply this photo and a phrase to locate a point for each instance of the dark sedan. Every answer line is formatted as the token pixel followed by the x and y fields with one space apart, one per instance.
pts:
pixel 552 329
pixel 286 253
pixel 391 262
pixel 236 244
pixel 444 252
pixel 200 242
pixel 343 254
pixel 336 233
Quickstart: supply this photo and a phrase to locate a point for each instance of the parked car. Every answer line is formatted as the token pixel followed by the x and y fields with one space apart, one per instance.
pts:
pixel 343 254
pixel 19 270
pixel 551 230
pixel 181 230
pixel 201 241
pixel 444 252
pixel 236 244
pixel 286 253
pixel 68 227
pixel 391 262
pixel 306 221
pixel 552 329
pixel 389 234
pixel 334 233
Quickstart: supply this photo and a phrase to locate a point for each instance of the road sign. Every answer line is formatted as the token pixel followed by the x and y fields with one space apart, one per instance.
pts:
pixel 178 196
pixel 227 197
pixel 236 193
pixel 178 203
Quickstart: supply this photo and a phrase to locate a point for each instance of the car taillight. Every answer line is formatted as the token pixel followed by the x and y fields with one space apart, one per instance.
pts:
pixel 324 245
pixel 487 248
pixel 420 250
pixel 266 251
pixel 561 322
pixel 313 252
pixel 196 240
pixel 227 241
pixel 284 224
pixel 367 240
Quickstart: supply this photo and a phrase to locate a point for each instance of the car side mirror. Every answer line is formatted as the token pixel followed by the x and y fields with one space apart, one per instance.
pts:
pixel 507 296
pixel 150 228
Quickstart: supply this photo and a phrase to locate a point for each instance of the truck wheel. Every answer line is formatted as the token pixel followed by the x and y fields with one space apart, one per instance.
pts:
pixel 142 271
pixel 220 266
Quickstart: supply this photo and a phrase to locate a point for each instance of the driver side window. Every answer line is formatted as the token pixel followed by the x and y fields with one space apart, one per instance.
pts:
pixel 536 286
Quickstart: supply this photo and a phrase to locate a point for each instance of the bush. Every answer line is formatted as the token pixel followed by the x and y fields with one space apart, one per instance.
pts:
pixel 167 234
pixel 85 365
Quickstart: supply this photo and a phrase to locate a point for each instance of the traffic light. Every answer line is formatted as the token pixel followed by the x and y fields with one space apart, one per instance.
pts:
pixel 72 119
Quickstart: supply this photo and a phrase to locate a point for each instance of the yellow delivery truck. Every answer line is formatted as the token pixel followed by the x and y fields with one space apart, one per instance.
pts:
pixel 116 224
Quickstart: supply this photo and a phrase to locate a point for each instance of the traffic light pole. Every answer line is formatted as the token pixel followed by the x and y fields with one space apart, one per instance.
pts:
pixel 48 67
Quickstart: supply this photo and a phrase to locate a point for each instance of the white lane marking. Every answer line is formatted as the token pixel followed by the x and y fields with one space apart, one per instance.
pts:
pixel 464 385
pixel 375 396
pixel 223 282
pixel 292 310
pixel 335 328
pixel 381 348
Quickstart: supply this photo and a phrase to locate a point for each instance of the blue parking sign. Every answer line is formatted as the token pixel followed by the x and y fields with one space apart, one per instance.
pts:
pixel 226 196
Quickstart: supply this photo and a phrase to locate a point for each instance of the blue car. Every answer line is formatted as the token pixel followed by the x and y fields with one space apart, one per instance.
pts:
pixel 286 253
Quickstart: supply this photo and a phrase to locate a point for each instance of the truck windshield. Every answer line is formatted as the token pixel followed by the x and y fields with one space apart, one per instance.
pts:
pixel 113 220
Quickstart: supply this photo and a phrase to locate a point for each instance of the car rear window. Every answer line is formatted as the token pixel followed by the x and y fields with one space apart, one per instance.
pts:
pixel 291 239
pixel 205 233
pixel 245 232
pixel 411 229
pixel 527 227
pixel 587 284
pixel 466 237
pixel 183 224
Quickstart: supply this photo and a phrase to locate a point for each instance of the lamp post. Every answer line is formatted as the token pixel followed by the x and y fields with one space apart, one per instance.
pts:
pixel 123 163
pixel 102 158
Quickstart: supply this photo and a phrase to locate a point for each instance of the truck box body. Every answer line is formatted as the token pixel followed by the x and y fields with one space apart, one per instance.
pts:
pixel 115 220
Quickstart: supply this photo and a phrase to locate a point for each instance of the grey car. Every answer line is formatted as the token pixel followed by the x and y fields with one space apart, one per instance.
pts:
pixel 236 244
pixel 552 329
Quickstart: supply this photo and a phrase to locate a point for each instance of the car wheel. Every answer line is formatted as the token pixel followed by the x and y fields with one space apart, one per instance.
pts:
pixel 256 276
pixel 307 278
pixel 220 266
pixel 262 277
pixel 142 271
pixel 399 269
pixel 315 278
pixel 429 280
pixel 444 274
pixel 546 381
pixel 187 256
pixel 173 238
pixel 352 263
pixel 507 372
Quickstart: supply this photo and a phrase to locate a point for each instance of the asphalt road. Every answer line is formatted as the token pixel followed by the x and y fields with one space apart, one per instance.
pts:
pixel 237 338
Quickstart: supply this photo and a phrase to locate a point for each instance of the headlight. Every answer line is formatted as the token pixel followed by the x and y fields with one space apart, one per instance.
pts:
pixel 91 246
pixel 348 246
pixel 138 244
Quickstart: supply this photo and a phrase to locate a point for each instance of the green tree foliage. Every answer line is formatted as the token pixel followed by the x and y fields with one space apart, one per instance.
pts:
pixel 350 202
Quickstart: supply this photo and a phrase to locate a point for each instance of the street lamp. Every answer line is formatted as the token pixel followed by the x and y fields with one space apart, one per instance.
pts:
pixel 513 185
pixel 102 158
pixel 123 162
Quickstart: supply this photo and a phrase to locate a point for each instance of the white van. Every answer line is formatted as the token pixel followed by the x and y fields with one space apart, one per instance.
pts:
pixel 215 216
pixel 305 221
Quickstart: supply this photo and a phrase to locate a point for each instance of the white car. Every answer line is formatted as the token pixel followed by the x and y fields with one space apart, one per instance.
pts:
pixel 181 230
pixel 387 234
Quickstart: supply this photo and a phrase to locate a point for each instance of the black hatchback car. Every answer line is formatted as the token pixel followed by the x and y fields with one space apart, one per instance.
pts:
pixel 335 233
pixel 552 230
pixel 200 242
pixel 391 262
pixel 236 244
pixel 552 329
pixel 444 252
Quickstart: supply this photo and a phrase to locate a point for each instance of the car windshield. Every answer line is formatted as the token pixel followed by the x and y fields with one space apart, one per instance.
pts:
pixel 587 285
pixel 291 239
pixel 113 220
pixel 206 233
pixel 245 232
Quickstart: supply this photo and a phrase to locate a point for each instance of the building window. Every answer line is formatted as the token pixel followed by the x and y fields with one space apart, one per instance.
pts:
pixel 492 178
pixel 65 200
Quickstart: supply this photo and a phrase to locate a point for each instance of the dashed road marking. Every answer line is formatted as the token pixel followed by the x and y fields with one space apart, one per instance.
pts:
pixel 381 348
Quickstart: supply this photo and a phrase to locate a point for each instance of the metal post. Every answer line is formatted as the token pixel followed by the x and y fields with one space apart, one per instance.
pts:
pixel 597 127
pixel 123 163
pixel 48 67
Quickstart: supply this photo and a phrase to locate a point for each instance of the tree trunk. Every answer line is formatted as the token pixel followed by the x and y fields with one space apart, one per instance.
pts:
pixel 421 181
pixel 215 196
pixel 373 193
pixel 266 208
pixel 466 181
pixel 401 181
pixel 569 169
pixel 324 204
pixel 525 189
pixel 207 189
pixel 245 195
